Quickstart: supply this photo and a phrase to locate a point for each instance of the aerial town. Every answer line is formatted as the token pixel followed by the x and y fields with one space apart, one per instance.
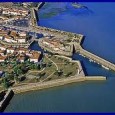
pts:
pixel 52 66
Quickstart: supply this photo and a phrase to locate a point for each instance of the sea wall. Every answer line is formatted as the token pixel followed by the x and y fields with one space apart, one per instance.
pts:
pixel 8 96
pixel 54 83
pixel 95 78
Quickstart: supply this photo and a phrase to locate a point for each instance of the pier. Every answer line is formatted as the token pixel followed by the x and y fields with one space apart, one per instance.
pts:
pixel 94 58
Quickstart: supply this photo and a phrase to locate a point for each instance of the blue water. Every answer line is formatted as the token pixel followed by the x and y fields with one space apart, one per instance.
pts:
pixel 97 23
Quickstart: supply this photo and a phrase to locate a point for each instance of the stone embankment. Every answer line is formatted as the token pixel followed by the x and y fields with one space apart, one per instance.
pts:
pixel 8 96
pixel 104 63
pixel 54 83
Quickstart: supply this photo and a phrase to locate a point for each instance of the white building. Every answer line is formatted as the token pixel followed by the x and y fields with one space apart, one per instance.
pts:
pixel 35 56
pixel 21 40
pixel 10 50
pixel 22 34
pixel 2 47
pixel 21 59
pixel 21 50
pixel 1 37
pixel 9 39
pixel 2 52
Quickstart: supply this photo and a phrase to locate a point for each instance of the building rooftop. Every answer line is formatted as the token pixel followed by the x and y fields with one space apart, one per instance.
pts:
pixel 2 57
pixel 35 55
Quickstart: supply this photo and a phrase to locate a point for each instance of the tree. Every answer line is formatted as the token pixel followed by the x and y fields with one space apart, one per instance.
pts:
pixel 11 76
pixel 58 72
pixel 68 74
pixel 41 74
pixel 49 64
pixel 16 79
pixel 39 67
pixel 5 83
pixel 19 72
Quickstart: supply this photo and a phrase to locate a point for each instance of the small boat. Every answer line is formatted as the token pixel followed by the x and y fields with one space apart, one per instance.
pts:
pixel 90 60
pixel 105 67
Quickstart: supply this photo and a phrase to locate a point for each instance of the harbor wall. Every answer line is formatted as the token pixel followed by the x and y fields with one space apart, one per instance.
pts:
pixel 8 96
pixel 95 78
pixel 55 83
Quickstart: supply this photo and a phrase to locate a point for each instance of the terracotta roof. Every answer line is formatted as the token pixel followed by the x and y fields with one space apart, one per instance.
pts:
pixel 35 55
pixel 2 57
pixel 11 48
pixel 2 51
pixel 13 33
pixel 3 32
pixel 21 57
pixel 7 37
pixel 3 46
pixel 21 49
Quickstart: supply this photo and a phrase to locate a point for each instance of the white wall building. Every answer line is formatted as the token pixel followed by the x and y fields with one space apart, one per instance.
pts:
pixel 10 50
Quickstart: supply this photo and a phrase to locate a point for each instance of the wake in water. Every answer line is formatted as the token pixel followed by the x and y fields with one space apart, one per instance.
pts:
pixel 79 9
pixel 53 9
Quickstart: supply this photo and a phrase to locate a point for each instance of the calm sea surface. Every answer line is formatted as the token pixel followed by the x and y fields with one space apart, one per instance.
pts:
pixel 97 23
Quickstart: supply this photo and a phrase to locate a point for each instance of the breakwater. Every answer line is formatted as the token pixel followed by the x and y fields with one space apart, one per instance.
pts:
pixel 40 5
pixel 94 58
pixel 6 99
pixel 54 83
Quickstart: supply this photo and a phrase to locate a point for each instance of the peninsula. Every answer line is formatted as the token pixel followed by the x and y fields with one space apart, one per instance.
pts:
pixel 23 69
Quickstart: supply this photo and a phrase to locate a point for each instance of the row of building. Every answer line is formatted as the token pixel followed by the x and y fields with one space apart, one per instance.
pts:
pixel 54 44
pixel 13 36
pixel 14 11
pixel 21 54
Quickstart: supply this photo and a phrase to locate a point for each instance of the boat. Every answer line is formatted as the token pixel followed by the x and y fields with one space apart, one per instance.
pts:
pixel 91 60
pixel 105 67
